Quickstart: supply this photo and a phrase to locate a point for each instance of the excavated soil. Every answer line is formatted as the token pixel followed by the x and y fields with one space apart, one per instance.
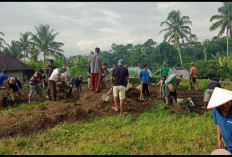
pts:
pixel 77 108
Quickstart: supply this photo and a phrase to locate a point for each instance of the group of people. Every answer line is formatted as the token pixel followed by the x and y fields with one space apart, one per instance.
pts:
pixel 215 98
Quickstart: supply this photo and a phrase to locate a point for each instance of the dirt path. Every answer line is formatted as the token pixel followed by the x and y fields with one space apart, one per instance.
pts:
pixel 79 106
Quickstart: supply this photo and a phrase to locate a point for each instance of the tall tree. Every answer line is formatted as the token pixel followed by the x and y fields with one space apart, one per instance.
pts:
pixel 224 21
pixel 14 50
pixel 44 39
pixel 25 43
pixel 2 41
pixel 177 28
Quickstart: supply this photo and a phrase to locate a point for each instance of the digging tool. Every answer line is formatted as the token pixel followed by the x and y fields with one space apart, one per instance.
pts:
pixel 105 97
pixel 139 87
pixel 128 86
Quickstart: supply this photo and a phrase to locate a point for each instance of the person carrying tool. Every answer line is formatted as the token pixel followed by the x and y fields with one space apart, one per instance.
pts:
pixel 209 91
pixel 3 81
pixel 49 71
pixel 56 77
pixel 164 72
pixel 119 80
pixel 105 72
pixel 96 68
pixel 35 86
pixel 193 77
pixel 171 85
pixel 15 85
pixel 220 102
pixel 143 77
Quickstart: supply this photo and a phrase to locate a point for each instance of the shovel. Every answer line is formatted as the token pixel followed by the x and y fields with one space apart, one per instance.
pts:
pixel 105 97
pixel 139 87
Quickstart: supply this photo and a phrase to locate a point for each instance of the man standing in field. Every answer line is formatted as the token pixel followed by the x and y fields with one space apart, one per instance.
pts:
pixel 3 81
pixel 119 80
pixel 164 72
pixel 56 77
pixel 209 90
pixel 171 85
pixel 144 79
pixel 193 77
pixel 34 84
pixel 105 72
pixel 96 68
pixel 49 71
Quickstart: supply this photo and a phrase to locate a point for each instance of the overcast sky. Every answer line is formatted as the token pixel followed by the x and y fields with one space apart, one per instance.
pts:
pixel 86 25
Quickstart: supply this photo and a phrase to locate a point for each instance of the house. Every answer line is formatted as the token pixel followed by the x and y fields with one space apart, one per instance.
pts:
pixel 15 68
pixel 179 70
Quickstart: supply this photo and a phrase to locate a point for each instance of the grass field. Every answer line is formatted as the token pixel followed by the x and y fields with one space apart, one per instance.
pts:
pixel 156 131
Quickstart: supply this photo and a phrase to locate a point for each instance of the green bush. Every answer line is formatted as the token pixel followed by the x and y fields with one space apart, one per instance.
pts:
pixel 207 69
pixel 203 83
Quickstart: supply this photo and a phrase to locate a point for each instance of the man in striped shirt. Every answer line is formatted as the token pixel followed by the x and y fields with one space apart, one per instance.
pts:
pixel 34 84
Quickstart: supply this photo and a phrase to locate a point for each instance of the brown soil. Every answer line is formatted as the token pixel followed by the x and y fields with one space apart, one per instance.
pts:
pixel 79 106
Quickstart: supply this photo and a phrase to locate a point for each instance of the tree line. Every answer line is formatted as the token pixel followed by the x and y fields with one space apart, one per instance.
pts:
pixel 178 48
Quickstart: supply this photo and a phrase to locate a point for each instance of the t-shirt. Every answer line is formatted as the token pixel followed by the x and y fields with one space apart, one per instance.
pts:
pixel 15 87
pixel 49 71
pixel 120 73
pixel 76 81
pixel 35 79
pixel 213 84
pixel 225 125
pixel 193 72
pixel 66 73
pixel 164 71
pixel 144 76
pixel 172 80
pixel 95 62
pixel 89 71
pixel 55 74
pixel 2 78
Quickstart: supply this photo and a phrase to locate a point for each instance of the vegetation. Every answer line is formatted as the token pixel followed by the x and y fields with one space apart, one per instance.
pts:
pixel 156 131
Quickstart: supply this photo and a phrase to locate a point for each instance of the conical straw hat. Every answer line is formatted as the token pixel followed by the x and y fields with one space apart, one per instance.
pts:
pixel 220 152
pixel 219 97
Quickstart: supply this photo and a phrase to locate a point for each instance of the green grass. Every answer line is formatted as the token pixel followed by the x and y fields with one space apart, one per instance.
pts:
pixel 33 104
pixel 156 131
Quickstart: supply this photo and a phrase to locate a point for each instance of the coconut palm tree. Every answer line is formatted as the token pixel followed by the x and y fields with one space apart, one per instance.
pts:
pixel 25 43
pixel 224 22
pixel 44 40
pixel 14 50
pixel 34 53
pixel 177 28
pixel 2 41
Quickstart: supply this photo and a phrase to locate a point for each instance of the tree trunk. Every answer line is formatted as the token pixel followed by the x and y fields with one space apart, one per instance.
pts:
pixel 205 57
pixel 44 57
pixel 24 55
pixel 181 62
pixel 227 35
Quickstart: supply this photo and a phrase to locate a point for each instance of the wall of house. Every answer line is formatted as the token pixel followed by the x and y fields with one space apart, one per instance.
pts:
pixel 24 78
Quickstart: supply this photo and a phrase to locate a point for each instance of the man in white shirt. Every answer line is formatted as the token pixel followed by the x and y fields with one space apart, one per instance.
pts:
pixel 55 77
pixel 65 75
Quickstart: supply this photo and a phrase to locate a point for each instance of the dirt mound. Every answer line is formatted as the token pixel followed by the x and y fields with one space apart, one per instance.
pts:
pixel 80 105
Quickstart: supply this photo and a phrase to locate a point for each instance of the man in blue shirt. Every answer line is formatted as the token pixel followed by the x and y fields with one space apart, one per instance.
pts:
pixel 144 79
pixel 220 102
pixel 3 81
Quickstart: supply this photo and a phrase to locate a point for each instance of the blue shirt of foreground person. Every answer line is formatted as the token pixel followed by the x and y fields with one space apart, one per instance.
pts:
pixel 222 117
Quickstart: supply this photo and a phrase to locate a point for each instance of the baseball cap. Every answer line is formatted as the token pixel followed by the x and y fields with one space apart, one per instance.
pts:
pixel 120 62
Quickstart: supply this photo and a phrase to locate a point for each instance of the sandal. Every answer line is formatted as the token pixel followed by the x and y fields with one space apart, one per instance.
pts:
pixel 114 108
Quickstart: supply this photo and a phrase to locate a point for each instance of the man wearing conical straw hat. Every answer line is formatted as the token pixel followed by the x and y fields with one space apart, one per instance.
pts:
pixel 220 102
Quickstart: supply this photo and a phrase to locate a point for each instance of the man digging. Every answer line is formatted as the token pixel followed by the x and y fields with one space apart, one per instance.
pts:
pixel 171 85
pixel 119 80
pixel 144 79
pixel 3 81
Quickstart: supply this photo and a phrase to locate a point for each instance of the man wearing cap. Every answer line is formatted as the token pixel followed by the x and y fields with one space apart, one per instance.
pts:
pixel 34 84
pixel 171 85
pixel 15 84
pixel 193 77
pixel 56 77
pixel 164 72
pixel 209 90
pixel 96 68
pixel 220 102
pixel 119 80
pixel 3 81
